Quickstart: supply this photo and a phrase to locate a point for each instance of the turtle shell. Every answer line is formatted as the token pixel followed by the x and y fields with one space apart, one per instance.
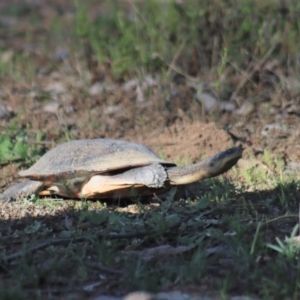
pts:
pixel 81 158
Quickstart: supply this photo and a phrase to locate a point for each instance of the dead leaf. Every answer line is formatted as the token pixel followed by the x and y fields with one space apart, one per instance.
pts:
pixel 138 296
pixel 90 287
pixel 163 250
pixel 68 223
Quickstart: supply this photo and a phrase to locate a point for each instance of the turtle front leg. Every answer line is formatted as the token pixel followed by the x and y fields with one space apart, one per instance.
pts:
pixel 21 190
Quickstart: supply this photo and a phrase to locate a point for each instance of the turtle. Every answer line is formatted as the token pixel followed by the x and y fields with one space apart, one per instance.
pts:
pixel 109 168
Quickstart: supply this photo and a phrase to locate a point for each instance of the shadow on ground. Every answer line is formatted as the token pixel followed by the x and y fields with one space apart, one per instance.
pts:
pixel 65 246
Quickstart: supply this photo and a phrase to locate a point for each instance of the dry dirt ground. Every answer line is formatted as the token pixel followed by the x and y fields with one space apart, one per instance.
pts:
pixel 60 102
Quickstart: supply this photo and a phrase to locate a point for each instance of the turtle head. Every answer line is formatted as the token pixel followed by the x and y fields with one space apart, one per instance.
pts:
pixel 223 161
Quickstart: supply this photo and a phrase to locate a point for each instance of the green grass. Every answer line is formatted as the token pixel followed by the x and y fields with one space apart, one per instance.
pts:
pixel 145 36
pixel 16 145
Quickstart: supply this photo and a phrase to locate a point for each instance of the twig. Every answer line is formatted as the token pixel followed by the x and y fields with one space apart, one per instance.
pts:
pixel 179 71
pixel 240 72
pixel 175 57
pixel 69 289
pixel 249 75
pixel 104 269
pixel 63 241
